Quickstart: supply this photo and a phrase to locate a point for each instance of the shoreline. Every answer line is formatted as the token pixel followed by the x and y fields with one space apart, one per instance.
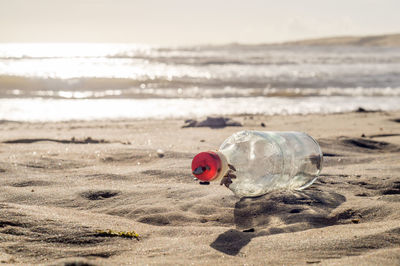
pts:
pixel 37 109
pixel 282 122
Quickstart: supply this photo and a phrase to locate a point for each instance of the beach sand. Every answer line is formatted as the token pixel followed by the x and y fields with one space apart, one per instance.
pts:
pixel 61 182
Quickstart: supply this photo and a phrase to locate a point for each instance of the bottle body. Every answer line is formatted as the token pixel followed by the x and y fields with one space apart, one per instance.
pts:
pixel 266 161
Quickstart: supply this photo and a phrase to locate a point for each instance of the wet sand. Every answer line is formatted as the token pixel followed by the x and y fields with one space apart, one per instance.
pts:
pixel 62 182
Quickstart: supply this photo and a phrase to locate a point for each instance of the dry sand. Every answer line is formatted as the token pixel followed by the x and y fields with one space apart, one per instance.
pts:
pixel 55 193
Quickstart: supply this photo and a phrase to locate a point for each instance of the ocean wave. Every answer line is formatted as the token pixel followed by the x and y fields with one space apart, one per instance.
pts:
pixel 97 88
pixel 204 60
pixel 95 71
pixel 205 55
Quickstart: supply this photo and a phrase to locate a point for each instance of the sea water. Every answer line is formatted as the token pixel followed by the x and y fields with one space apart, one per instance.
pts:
pixel 52 82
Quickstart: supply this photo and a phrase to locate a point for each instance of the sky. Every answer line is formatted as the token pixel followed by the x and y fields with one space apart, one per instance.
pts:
pixel 188 22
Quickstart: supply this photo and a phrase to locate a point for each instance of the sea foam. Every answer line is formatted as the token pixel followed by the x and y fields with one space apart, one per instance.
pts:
pixel 37 109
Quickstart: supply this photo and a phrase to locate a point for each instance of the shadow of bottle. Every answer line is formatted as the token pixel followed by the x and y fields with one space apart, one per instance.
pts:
pixel 295 211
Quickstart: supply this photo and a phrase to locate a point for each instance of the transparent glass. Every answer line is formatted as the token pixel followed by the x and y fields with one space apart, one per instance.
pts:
pixel 266 161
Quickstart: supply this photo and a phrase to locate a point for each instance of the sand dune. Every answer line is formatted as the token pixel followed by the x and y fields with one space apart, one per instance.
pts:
pixel 55 194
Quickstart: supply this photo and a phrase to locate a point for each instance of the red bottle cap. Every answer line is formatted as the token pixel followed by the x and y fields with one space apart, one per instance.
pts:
pixel 206 165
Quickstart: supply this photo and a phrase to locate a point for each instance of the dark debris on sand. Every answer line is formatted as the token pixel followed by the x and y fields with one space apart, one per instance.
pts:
pixel 363 110
pixel 63 141
pixel 212 122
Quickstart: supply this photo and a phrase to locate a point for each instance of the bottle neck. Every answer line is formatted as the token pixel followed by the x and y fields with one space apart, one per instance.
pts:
pixel 224 166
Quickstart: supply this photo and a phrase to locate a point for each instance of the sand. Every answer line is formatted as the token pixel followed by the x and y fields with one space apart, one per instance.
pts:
pixel 61 182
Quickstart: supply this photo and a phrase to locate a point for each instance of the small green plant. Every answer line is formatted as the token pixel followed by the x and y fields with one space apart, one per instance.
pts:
pixel 112 233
